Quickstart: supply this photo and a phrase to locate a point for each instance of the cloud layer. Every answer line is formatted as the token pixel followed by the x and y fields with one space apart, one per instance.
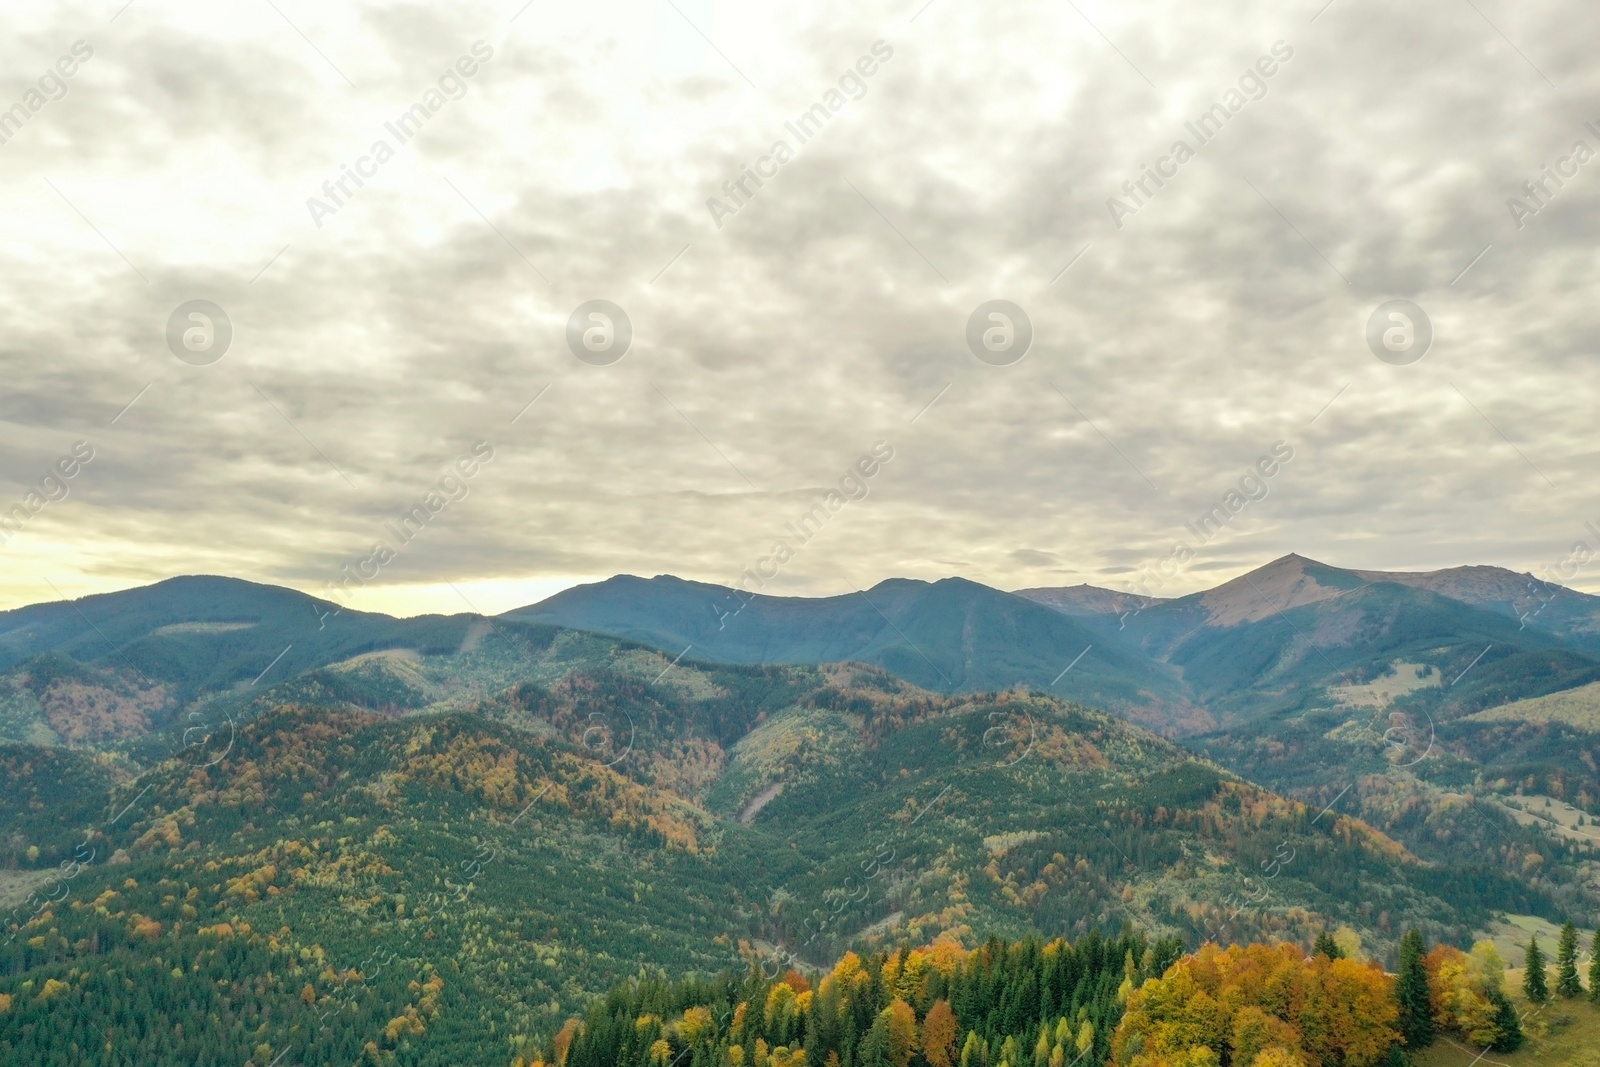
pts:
pixel 374 345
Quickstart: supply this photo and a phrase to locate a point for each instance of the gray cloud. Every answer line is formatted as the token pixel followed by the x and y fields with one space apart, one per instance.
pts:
pixel 824 316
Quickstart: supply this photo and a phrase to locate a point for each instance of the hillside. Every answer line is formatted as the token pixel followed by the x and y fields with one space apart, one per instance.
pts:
pixel 441 854
pixel 1578 707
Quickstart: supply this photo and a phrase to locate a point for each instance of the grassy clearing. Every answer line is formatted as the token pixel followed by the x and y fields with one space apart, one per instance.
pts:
pixel 1578 707
pixel 1563 1033
pixel 1402 679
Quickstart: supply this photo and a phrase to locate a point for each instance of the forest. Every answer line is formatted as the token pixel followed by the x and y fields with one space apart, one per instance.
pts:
pixel 1126 1000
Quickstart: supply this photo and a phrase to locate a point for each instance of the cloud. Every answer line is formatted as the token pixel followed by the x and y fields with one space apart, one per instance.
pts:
pixel 1226 315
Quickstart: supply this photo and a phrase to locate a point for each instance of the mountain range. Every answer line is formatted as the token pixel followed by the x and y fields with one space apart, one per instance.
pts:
pixel 511 814
pixel 1269 640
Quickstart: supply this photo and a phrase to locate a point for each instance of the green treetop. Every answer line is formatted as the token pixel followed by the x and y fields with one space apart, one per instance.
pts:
pixel 1567 984
pixel 1533 978
pixel 1413 993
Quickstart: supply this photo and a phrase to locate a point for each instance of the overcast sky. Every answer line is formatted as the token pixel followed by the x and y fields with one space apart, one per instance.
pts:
pixel 378 337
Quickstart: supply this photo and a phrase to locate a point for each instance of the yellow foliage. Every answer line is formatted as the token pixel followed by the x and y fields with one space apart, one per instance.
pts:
pixel 408 1024
pixel 695 1024
pixel 1244 1002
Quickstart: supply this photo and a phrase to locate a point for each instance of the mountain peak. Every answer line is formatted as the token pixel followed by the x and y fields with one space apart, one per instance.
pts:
pixel 1287 582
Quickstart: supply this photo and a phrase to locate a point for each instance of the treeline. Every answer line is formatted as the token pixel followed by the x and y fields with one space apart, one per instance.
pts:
pixel 1122 1001
pixel 1275 1006
pixel 1050 1003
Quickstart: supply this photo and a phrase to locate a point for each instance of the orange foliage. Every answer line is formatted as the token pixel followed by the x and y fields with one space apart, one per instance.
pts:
pixel 1261 1003
pixel 564 1036
pixel 939 1033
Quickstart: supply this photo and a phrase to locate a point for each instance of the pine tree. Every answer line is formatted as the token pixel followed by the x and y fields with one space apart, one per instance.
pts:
pixel 1533 979
pixel 1413 993
pixel 1506 1021
pixel 1326 946
pixel 1594 968
pixel 1567 984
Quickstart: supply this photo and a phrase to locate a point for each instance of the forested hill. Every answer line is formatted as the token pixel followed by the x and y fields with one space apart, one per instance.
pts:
pixel 441 855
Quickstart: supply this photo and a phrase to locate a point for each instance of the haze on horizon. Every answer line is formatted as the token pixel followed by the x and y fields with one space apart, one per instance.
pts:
pixel 380 335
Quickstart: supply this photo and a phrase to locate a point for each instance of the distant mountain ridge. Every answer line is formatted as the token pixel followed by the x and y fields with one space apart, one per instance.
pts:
pixel 1294 580
pixel 952 635
pixel 1271 639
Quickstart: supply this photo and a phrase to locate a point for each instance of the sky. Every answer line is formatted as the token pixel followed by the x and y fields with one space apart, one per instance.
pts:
pixel 268 370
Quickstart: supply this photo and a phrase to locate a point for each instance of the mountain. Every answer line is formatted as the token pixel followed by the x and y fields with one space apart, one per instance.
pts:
pixel 1395 695
pixel 200 633
pixel 1297 633
pixel 119 665
pixel 428 841
pixel 433 857
pixel 950 636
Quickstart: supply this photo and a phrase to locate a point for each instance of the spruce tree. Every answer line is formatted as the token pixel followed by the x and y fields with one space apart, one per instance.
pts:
pixel 1594 968
pixel 1506 1022
pixel 1326 946
pixel 874 1048
pixel 1567 984
pixel 1533 978
pixel 1412 992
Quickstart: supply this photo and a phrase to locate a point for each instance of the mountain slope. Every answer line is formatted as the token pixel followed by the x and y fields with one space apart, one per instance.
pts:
pixel 437 855
pixel 1280 636
pixel 952 635
pixel 202 633
pixel 1374 690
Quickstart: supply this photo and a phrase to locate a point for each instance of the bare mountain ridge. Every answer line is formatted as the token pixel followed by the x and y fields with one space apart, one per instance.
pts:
pixel 1293 581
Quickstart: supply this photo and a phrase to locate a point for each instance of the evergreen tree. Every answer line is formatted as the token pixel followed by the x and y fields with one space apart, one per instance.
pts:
pixel 1594 968
pixel 874 1048
pixel 1567 984
pixel 1326 946
pixel 1533 979
pixel 973 1053
pixel 1412 991
pixel 1506 1021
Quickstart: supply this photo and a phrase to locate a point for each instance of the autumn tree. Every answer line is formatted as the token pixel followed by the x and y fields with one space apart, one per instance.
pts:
pixel 901 1021
pixel 1469 996
pixel 939 1034
pixel 1260 1003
